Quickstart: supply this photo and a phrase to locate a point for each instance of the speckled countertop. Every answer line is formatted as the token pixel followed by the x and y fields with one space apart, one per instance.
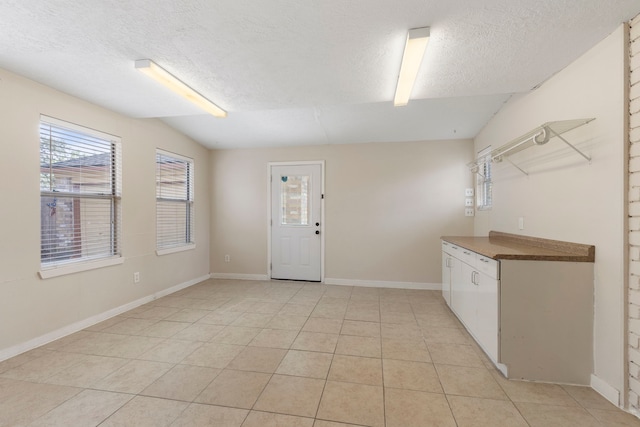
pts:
pixel 500 245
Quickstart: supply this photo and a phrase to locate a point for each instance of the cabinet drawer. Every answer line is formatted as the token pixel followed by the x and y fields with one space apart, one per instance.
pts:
pixel 450 248
pixel 467 256
pixel 488 266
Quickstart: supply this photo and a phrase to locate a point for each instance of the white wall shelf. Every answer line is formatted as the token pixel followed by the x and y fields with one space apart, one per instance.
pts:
pixel 538 136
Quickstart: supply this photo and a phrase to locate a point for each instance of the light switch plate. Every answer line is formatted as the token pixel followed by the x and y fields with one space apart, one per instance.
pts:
pixel 468 192
pixel 468 212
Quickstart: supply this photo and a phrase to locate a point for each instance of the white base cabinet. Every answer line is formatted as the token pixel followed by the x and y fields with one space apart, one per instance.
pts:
pixel 534 319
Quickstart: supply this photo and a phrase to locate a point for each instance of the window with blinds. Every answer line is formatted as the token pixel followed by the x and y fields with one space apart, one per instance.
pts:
pixel 174 201
pixel 80 190
pixel 483 180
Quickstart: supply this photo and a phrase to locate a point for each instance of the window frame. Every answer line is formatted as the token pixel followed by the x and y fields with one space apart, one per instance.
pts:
pixel 74 264
pixel 189 242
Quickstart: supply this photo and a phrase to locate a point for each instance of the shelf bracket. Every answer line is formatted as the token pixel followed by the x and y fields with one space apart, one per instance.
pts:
pixel 587 158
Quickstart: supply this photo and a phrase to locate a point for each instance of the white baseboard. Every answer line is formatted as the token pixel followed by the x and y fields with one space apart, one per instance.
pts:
pixel 239 276
pixel 85 323
pixel 383 284
pixel 606 390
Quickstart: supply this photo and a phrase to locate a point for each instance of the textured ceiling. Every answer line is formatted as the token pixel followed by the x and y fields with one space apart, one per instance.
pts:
pixel 303 72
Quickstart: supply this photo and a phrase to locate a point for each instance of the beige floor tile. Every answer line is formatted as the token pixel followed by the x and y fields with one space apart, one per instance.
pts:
pixel 274 338
pixel 213 355
pixel 130 326
pixel 403 349
pixel 588 398
pixel 558 416
pixel 362 315
pixel 287 322
pixel 530 392
pixel 265 419
pixel 296 309
pixel 164 329
pixel 221 317
pixel 354 369
pixel 146 412
pixel 361 329
pixel 253 320
pixel 182 382
pixel 320 324
pixel 105 324
pixel 305 364
pixel 88 408
pixel 476 412
pixel 398 318
pixel 359 346
pixel 401 331
pixel 198 332
pixel 291 396
pixel 454 354
pixel 238 389
pixel 445 335
pixel 57 344
pixel 352 403
pixel 43 367
pixel 615 418
pixel 409 408
pixel 471 382
pixel 171 351
pixel 315 341
pixel 130 346
pixel 188 315
pixel 88 371
pixel 239 335
pixel 395 305
pixel 22 402
pixel 258 359
pixel 322 423
pixel 133 377
pixel 209 415
pixel 156 313
pixel 437 320
pixel 266 307
pixel 363 305
pixel 328 311
pixel 411 375
pixel 23 358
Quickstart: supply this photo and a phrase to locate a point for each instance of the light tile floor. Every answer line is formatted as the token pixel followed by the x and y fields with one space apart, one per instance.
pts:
pixel 264 354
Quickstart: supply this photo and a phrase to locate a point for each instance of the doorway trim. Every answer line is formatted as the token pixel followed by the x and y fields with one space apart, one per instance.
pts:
pixel 270 165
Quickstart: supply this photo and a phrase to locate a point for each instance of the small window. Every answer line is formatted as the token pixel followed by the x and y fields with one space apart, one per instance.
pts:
pixel 174 202
pixel 79 194
pixel 483 180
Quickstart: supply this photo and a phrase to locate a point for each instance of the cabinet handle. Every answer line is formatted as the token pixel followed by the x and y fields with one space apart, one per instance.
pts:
pixel 484 260
pixel 474 278
pixel 448 262
pixel 466 253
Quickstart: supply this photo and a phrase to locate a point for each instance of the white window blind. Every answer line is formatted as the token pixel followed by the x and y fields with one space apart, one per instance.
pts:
pixel 483 180
pixel 80 186
pixel 174 200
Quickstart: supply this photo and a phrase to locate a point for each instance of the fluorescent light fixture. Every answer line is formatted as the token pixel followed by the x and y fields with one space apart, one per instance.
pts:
pixel 162 76
pixel 417 41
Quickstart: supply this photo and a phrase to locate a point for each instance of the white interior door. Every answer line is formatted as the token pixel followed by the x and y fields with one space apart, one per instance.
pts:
pixel 296 194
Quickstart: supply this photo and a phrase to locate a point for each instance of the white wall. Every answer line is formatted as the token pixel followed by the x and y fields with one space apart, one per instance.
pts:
pixel 564 197
pixel 31 307
pixel 386 205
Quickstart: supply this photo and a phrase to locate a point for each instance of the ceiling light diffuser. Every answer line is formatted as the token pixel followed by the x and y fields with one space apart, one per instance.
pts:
pixel 162 76
pixel 416 44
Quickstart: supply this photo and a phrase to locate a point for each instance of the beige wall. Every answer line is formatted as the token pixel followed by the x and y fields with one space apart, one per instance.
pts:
pixel 564 197
pixel 386 206
pixel 31 307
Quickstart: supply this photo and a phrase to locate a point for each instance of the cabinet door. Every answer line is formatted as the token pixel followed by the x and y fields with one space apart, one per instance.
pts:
pixel 486 330
pixel 447 264
pixel 465 298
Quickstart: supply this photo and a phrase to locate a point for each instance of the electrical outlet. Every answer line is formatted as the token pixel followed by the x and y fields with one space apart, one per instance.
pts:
pixel 468 192
pixel 227 258
pixel 136 277
pixel 468 201
pixel 469 212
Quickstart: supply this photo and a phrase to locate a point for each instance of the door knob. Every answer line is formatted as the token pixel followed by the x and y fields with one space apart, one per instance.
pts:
pixel 317 224
pixel 317 231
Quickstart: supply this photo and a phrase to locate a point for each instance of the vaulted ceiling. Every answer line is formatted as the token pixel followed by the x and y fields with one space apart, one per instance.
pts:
pixel 303 72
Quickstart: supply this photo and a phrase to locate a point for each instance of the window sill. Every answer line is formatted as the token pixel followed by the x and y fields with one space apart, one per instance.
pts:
pixel 175 249
pixel 62 270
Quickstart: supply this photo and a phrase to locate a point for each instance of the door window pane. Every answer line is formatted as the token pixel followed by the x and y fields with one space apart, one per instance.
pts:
pixel 295 199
